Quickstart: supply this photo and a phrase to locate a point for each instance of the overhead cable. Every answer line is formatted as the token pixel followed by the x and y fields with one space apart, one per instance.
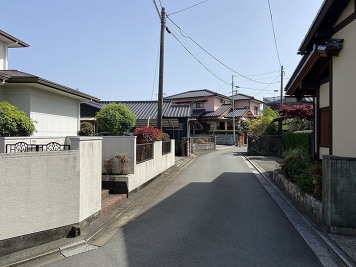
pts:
pixel 186 36
pixel 274 34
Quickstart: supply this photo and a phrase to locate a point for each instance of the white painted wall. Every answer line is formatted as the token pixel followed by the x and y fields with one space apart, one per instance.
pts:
pixel 324 95
pixel 54 114
pixel 146 170
pixel 119 144
pixel 38 191
pixel 3 56
pixel 45 190
pixel 90 174
pixel 344 94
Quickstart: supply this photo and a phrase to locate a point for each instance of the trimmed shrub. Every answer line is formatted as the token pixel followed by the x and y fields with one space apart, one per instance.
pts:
pixel 115 119
pixel 165 137
pixel 86 129
pixel 14 122
pixel 291 140
pixel 297 167
pixel 147 135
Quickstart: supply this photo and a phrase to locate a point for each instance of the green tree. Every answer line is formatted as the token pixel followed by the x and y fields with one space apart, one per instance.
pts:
pixel 86 129
pixel 115 119
pixel 264 124
pixel 14 122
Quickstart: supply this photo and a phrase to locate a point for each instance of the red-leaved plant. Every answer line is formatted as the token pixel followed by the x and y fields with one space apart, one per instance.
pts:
pixel 147 135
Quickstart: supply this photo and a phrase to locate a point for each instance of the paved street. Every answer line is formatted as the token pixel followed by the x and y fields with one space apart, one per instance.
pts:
pixel 214 213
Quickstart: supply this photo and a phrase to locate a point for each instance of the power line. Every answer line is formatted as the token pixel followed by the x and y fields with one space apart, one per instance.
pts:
pixel 274 34
pixel 267 86
pixel 197 58
pixel 160 3
pixel 154 78
pixel 186 36
pixel 187 8
pixel 155 4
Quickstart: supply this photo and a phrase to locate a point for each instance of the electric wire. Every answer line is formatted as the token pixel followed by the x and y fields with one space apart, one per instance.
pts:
pixel 186 36
pixel 216 76
pixel 187 8
pixel 155 4
pixel 274 34
pixel 160 3
pixel 154 77
pixel 267 86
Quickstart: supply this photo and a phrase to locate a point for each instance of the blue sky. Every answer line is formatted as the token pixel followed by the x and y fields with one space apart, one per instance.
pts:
pixel 109 49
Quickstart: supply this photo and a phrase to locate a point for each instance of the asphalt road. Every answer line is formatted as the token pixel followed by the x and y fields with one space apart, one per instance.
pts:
pixel 214 213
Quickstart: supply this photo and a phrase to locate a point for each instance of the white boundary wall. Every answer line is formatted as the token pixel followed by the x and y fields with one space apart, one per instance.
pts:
pixel 140 173
pixel 45 190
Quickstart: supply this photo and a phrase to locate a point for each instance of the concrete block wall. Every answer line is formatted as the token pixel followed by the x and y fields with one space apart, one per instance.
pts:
pixel 339 198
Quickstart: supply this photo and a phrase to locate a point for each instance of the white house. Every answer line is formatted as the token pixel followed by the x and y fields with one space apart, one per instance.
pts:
pixel 54 108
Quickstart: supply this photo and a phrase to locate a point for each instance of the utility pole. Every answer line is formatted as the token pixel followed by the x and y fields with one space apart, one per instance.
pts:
pixel 161 68
pixel 233 110
pixel 281 87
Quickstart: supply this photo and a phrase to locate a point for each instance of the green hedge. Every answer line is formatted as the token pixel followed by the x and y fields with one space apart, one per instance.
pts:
pixel 291 140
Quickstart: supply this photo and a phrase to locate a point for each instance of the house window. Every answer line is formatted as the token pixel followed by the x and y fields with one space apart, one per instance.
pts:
pixel 325 127
pixel 255 109
pixel 199 105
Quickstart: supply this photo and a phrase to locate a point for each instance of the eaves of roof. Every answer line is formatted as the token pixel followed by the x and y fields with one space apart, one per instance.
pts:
pixel 246 97
pixel 17 77
pixel 322 27
pixel 320 53
pixel 195 94
pixel 11 40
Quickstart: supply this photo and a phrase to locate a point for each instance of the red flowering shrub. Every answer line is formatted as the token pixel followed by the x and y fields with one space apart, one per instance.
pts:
pixel 147 135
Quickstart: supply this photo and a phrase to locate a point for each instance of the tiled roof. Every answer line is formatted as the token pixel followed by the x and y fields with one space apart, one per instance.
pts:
pixel 145 109
pixel 15 76
pixel 197 112
pixel 246 97
pixel 238 113
pixel 195 93
pixel 219 112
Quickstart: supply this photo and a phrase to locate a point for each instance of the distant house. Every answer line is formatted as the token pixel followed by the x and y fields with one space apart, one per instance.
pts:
pixel 174 122
pixel 54 108
pixel 327 73
pixel 213 111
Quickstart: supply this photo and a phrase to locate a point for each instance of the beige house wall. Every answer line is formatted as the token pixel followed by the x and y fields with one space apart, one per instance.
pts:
pixel 344 94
